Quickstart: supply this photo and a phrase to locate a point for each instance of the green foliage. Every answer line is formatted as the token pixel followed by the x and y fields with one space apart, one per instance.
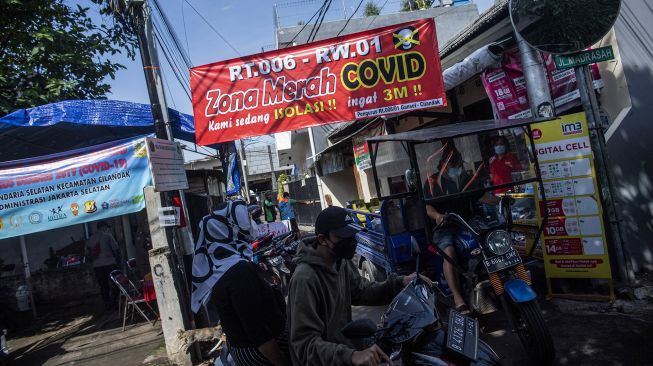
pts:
pixel 410 5
pixel 371 9
pixel 52 51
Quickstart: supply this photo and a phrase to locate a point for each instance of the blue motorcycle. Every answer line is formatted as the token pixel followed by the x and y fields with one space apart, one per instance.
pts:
pixel 491 273
pixel 451 167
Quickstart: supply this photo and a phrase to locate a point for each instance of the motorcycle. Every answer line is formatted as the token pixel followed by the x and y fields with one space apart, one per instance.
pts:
pixel 275 260
pixel 412 331
pixel 486 260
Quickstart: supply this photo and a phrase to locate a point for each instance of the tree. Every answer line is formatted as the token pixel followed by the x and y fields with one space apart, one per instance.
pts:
pixel 51 51
pixel 410 5
pixel 371 10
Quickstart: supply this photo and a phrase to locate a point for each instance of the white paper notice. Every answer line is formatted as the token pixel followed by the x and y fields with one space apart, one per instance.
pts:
pixel 590 225
pixel 593 246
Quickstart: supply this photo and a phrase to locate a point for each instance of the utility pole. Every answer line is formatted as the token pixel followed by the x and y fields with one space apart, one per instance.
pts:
pixel 173 295
pixel 273 177
pixel 243 165
pixel 537 87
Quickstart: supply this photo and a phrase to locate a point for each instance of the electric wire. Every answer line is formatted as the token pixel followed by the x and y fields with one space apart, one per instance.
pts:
pixel 167 49
pixel 176 64
pixel 175 68
pixel 212 28
pixel 318 21
pixel 183 19
pixel 167 89
pixel 321 20
pixel 173 35
pixel 351 16
pixel 307 23
pixel 376 16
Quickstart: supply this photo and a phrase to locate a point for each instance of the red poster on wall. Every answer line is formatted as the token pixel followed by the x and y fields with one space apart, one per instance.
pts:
pixel 506 86
pixel 378 72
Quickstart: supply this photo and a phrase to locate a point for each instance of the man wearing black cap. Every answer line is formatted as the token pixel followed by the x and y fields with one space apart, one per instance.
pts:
pixel 323 288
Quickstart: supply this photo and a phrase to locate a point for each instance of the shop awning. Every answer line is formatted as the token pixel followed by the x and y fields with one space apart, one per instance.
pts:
pixel 455 130
pixel 73 124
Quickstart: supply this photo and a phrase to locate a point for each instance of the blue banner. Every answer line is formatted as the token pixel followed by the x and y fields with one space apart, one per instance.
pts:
pixel 72 190
pixel 229 159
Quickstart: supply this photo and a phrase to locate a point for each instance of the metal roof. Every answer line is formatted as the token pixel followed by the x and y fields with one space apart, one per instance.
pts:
pixel 455 130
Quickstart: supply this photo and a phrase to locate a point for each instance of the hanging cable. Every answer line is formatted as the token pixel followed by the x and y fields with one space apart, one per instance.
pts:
pixel 175 68
pixel 318 22
pixel 380 10
pixel 351 16
pixel 321 20
pixel 307 23
pixel 176 63
pixel 167 89
pixel 172 34
pixel 183 18
pixel 212 28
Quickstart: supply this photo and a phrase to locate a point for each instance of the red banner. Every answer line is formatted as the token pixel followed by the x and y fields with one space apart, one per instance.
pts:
pixel 379 72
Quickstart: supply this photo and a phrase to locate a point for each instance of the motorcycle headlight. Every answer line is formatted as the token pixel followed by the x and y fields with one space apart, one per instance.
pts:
pixel 499 242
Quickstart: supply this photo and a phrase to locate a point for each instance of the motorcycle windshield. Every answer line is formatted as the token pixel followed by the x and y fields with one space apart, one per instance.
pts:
pixel 408 314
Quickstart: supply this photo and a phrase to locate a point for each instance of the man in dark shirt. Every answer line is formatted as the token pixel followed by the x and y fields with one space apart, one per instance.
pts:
pixel 450 179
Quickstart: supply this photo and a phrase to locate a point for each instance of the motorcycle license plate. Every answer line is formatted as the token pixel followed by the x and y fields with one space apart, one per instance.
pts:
pixel 462 335
pixel 503 261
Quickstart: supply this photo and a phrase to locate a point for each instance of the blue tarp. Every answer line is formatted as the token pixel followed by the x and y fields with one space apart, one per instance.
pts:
pixel 75 124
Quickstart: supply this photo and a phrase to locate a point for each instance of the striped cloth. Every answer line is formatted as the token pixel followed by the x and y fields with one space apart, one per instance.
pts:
pixel 250 356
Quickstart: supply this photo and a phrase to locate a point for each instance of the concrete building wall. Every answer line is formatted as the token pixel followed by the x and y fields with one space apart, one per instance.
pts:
pixel 630 135
pixel 341 186
pixel 258 159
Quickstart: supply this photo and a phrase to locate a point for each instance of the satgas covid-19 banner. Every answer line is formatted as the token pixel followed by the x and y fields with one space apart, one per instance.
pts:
pixel 378 72
pixel 574 238
pixel 73 190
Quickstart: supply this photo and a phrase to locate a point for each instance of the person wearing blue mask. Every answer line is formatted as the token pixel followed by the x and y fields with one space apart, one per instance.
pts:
pixel 452 178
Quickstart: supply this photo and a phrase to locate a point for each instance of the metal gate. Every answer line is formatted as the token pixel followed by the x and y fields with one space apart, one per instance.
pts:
pixel 306 190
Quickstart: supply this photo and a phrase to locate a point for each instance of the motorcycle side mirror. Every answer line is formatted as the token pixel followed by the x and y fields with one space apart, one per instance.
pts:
pixel 411 181
pixel 361 328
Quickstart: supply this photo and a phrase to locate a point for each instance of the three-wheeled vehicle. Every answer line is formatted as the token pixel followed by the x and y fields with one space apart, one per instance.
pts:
pixel 453 184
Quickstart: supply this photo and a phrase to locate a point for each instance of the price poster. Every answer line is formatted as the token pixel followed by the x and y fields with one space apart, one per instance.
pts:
pixel 574 244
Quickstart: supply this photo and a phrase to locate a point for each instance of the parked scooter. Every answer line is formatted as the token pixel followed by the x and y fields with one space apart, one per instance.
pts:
pixel 275 261
pixel 412 331
pixel 486 260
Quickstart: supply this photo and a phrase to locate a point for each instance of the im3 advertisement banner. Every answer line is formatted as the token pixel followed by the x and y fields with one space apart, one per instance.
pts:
pixel 378 72
pixel 73 190
pixel 575 244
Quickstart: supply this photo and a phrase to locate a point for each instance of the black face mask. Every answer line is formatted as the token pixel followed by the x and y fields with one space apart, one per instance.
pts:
pixel 345 248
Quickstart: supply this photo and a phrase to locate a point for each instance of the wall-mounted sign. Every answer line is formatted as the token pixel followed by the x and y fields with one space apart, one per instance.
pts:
pixel 169 216
pixel 167 164
pixel 584 57
pixel 574 236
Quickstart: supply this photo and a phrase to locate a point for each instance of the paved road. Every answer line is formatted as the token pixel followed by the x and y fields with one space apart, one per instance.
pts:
pixel 584 333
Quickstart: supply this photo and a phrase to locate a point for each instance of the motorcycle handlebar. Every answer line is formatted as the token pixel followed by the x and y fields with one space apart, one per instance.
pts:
pixel 456 219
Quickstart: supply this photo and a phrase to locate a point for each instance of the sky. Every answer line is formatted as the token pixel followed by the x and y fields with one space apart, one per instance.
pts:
pixel 248 25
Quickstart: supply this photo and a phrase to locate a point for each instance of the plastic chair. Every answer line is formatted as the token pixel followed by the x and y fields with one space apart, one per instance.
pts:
pixel 133 297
